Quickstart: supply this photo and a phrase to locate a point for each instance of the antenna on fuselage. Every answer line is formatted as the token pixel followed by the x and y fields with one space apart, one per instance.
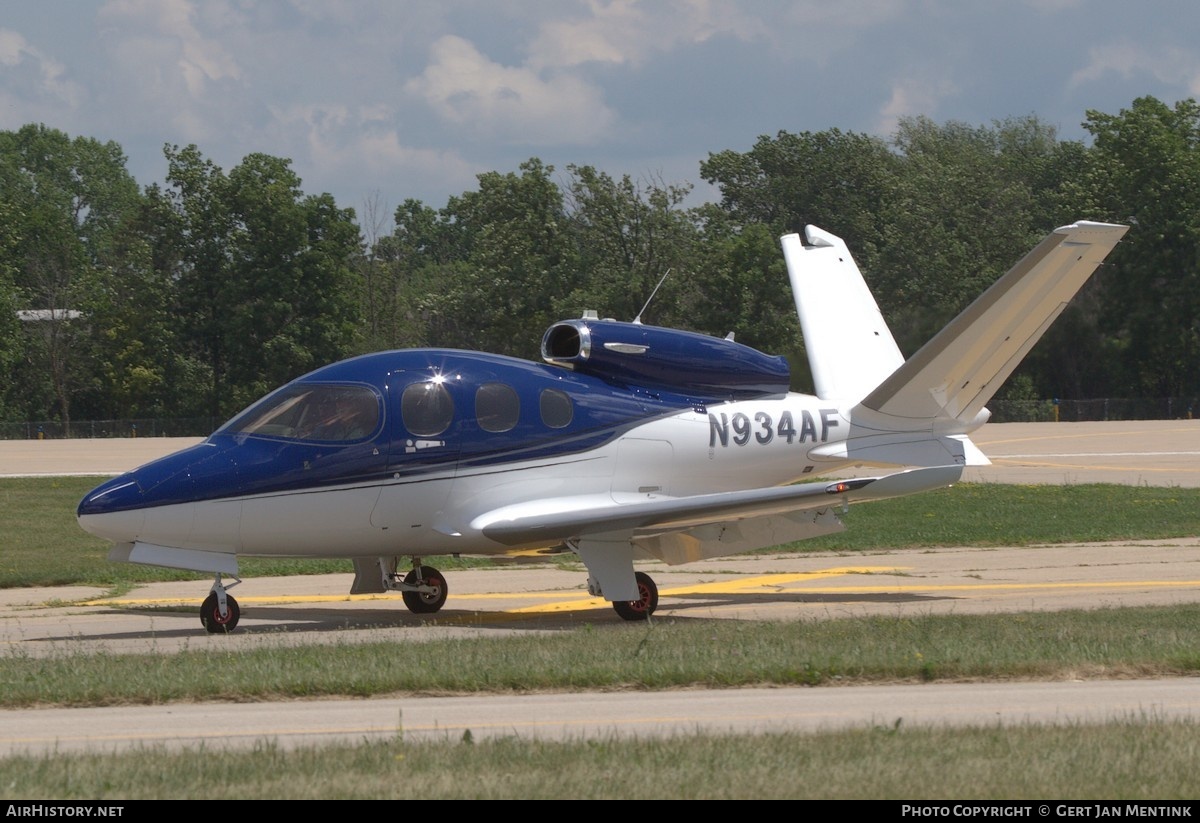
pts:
pixel 638 319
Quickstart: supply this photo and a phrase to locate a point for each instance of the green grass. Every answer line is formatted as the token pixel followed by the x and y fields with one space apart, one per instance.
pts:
pixel 1125 761
pixel 664 654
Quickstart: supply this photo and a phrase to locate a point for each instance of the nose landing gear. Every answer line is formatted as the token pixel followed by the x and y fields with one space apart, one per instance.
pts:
pixel 219 613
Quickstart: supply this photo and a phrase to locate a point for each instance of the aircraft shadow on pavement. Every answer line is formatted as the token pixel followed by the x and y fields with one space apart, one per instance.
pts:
pixel 185 623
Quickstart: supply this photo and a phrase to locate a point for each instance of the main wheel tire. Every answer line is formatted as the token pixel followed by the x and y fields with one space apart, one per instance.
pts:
pixel 210 614
pixel 419 603
pixel 642 608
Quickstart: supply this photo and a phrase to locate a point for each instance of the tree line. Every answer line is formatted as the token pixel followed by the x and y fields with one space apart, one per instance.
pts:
pixel 196 296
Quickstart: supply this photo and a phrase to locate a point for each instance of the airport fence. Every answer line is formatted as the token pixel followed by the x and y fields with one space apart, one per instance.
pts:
pixel 1099 408
pixel 83 429
pixel 1026 411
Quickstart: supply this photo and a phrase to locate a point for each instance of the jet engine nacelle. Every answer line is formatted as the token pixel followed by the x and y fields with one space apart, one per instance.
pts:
pixel 650 356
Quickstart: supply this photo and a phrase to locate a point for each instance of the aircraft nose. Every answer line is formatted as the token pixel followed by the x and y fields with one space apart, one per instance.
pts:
pixel 117 494
pixel 113 510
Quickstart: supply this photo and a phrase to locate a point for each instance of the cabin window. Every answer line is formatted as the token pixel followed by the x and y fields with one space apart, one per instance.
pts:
pixel 308 411
pixel 497 407
pixel 426 408
pixel 556 408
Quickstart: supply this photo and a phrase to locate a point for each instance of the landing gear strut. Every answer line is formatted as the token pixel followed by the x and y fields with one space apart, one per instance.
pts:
pixel 644 606
pixel 219 613
pixel 424 588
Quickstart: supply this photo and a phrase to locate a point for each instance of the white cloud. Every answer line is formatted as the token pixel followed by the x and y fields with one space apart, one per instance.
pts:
pixel 359 146
pixel 12 47
pixel 626 32
pixel 512 104
pixel 912 97
pixel 48 83
pixel 162 36
pixel 1166 64
pixel 414 99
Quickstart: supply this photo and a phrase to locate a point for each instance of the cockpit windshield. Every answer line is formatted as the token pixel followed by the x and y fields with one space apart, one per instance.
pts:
pixel 311 412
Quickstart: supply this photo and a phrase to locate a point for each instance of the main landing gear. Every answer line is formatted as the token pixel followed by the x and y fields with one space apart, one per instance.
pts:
pixel 219 613
pixel 424 588
pixel 644 606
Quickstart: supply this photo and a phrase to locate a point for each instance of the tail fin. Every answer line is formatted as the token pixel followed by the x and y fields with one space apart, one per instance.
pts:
pixel 850 348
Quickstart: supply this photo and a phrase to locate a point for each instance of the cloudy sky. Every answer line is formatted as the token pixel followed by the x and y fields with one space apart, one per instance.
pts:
pixel 383 100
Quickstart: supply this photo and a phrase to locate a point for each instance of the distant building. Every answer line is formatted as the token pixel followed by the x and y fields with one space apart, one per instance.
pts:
pixel 34 315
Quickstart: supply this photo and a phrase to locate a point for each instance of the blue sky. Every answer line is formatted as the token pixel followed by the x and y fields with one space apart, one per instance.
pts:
pixel 377 101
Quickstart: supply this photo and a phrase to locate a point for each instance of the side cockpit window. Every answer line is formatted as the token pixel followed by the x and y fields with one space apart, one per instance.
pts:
pixel 312 412
pixel 426 408
pixel 497 407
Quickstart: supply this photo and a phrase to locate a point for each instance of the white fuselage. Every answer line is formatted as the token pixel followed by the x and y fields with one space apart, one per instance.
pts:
pixel 736 445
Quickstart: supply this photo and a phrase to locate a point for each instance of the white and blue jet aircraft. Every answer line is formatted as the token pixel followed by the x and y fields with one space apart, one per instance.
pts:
pixel 630 442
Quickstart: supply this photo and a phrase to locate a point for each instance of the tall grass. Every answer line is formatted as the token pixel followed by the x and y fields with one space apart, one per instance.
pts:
pixel 1124 761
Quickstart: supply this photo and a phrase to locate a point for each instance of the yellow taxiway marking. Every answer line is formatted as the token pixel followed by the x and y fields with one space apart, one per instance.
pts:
pixel 735 585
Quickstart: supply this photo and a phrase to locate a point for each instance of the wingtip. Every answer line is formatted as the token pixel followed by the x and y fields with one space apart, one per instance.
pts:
pixel 816 236
pixel 1092 227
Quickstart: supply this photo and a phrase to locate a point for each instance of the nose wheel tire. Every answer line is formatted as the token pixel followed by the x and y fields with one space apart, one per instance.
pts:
pixel 644 606
pixel 210 614
pixel 420 602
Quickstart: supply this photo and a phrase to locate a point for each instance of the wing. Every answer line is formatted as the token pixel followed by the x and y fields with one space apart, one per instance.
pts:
pixel 606 531
pixel 955 374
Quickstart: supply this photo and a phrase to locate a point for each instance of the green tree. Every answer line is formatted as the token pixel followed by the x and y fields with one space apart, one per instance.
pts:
pixel 932 219
pixel 840 181
pixel 1147 173
pixel 139 364
pixel 962 213
pixel 742 286
pixel 515 255
pixel 202 228
pixel 11 339
pixel 267 286
pixel 628 236
pixel 72 197
pixel 292 271
pixel 409 269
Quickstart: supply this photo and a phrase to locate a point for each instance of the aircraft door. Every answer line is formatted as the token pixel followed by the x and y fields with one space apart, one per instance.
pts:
pixel 422 460
pixel 329 438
